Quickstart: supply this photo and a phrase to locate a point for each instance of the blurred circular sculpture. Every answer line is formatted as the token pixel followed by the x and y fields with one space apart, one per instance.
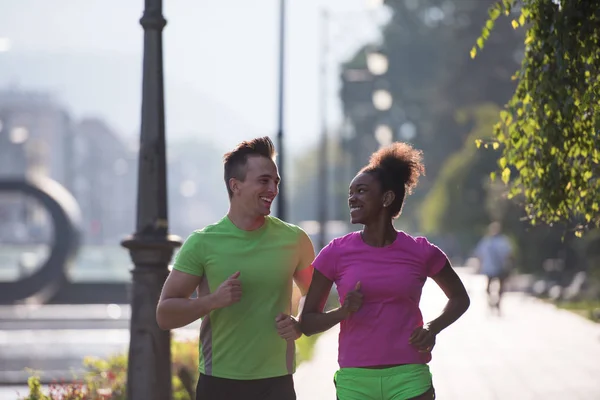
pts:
pixel 66 218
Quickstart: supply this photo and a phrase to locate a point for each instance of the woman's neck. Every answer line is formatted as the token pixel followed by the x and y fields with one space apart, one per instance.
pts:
pixel 379 234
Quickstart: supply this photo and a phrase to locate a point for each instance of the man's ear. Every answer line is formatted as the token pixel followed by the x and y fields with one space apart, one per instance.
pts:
pixel 388 198
pixel 234 185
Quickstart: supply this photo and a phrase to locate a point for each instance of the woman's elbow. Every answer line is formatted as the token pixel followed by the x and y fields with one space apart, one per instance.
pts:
pixel 304 327
pixel 465 301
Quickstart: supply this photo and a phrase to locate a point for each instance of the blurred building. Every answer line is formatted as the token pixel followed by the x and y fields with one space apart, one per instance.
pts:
pixel 35 136
pixel 104 181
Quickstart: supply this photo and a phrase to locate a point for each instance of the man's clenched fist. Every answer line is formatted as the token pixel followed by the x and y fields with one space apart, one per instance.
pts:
pixel 287 327
pixel 228 292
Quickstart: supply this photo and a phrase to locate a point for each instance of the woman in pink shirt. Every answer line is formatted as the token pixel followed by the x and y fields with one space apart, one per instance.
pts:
pixel 384 346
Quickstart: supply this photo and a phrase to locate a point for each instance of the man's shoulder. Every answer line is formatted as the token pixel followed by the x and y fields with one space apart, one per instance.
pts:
pixel 200 236
pixel 284 227
pixel 216 227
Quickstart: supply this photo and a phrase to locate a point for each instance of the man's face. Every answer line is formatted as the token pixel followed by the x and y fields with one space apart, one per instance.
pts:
pixel 257 192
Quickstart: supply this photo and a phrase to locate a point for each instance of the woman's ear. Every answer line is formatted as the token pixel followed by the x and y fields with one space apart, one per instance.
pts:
pixel 388 198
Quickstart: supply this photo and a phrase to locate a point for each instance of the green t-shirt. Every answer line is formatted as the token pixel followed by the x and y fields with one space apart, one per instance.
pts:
pixel 241 341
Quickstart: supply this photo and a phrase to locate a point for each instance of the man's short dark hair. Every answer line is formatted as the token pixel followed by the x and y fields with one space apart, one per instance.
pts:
pixel 235 160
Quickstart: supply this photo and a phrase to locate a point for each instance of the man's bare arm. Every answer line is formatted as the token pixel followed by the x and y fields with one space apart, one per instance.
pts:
pixel 302 279
pixel 175 308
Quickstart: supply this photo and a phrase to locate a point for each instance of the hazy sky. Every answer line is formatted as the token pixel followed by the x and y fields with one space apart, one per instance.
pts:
pixel 222 53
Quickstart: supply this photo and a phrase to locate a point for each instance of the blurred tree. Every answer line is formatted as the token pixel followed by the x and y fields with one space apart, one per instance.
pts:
pixel 430 77
pixel 549 131
pixel 456 204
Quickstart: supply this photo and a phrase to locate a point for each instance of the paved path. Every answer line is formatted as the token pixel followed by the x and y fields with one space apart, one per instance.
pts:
pixel 533 351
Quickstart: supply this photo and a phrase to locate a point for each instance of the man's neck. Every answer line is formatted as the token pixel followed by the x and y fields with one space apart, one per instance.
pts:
pixel 244 221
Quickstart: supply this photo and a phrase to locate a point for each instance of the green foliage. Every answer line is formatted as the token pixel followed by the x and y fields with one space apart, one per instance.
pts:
pixel 35 389
pixel 586 308
pixel 107 377
pixel 548 131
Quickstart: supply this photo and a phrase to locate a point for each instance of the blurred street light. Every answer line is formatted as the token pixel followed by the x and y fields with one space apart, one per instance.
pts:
pixel 382 100
pixel 187 188
pixel 19 135
pixel 377 63
pixel 384 135
pixel 408 131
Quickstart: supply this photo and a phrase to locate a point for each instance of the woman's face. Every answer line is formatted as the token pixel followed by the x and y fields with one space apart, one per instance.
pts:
pixel 365 199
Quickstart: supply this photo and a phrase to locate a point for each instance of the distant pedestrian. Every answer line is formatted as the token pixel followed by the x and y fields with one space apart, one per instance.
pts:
pixel 495 256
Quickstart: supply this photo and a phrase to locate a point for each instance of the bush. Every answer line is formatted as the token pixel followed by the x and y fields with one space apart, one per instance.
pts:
pixel 107 378
pixel 68 391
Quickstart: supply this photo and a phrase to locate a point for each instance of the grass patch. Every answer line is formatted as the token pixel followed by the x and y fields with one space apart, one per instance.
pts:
pixel 589 309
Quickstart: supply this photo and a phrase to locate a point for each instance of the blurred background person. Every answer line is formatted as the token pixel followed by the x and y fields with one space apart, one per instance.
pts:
pixel 495 255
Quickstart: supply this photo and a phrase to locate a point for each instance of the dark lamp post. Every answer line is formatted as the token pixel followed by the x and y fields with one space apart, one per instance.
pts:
pixel 151 247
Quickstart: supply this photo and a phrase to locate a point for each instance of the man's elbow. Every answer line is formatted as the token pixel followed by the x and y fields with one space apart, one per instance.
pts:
pixel 161 318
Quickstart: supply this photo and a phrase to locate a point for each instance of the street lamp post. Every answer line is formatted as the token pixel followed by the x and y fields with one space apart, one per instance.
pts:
pixel 151 247
pixel 323 192
pixel 281 199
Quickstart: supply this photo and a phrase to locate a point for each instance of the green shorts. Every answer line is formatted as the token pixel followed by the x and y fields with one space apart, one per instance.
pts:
pixel 395 383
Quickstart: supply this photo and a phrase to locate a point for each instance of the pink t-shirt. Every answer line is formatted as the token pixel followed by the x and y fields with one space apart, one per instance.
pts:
pixel 392 279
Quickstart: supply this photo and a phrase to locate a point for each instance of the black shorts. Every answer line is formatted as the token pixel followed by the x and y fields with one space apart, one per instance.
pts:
pixel 213 388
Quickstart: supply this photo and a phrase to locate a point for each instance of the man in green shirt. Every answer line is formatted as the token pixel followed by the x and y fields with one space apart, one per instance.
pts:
pixel 243 268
